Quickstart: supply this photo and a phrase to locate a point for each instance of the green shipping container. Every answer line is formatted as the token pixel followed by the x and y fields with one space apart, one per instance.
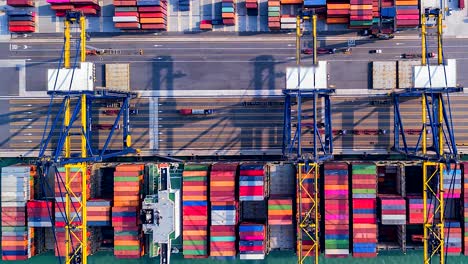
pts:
pixel 223 239
pixel 135 248
pixel 336 244
pixel 195 252
pixel 194 242
pixel 273 9
pixel 360 23
pixel 228 10
pixel 196 167
pixel 126 179
pixel 279 207
pixel 194 179
pixel 273 14
pixel 364 169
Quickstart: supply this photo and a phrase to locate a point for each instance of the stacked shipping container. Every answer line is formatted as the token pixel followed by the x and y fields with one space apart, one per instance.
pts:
pixel 39 213
pixel 407 13
pixel 452 183
pixel 336 210
pixel 364 189
pixel 99 212
pixel 393 210
pixel 206 25
pixel 224 210
pixel 127 185
pixel 195 211
pixel 141 14
pixel 288 22
pixel 361 14
pixel 274 13
pixel 338 12
pixel 16 189
pixel 228 12
pixel 252 241
pixel 251 182
pixel 87 7
pixel 453 238
pixel 21 21
pixel 416 209
pixel 251 4
pixel 280 211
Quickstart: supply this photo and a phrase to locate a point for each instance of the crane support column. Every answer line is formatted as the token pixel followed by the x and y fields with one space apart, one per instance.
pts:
pixel 307 212
pixel 298 40
pixel 67 45
pixel 314 34
pixel 423 40
pixel 439 40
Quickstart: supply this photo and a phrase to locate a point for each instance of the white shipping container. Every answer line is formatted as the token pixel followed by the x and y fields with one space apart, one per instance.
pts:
pixel 307 77
pixel 252 256
pixel 251 183
pixel 384 74
pixel 125 19
pixel 13 204
pixel 83 78
pixel 440 75
pixel 336 251
pixel 288 26
pixel 394 217
pixel 290 20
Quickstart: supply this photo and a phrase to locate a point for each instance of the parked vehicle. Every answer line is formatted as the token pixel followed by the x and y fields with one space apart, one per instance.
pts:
pixel 376 51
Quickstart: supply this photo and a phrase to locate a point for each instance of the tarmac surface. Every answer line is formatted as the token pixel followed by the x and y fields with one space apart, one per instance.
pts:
pixel 241 79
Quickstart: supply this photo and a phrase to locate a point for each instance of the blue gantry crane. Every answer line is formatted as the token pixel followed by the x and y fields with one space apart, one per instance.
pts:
pixel 71 122
pixel 436 145
pixel 308 156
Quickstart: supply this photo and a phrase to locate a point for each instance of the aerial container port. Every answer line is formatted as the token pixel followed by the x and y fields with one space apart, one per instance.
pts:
pixel 113 171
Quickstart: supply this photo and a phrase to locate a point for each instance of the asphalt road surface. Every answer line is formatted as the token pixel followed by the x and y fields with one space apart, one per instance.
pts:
pixel 233 65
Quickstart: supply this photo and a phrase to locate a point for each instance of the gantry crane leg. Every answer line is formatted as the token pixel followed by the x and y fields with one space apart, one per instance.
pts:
pixel 307 212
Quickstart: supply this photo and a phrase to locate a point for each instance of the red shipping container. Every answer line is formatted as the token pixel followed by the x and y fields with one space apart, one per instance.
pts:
pixel 126 14
pixel 251 248
pixel 335 12
pixel 408 17
pixel 252 173
pixel 251 190
pixel 461 4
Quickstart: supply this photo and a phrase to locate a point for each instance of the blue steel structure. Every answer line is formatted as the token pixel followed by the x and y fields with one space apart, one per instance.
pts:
pixel 293 147
pixel 433 99
pixel 94 154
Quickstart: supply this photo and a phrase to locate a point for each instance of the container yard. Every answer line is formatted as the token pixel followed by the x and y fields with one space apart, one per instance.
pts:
pixel 156 142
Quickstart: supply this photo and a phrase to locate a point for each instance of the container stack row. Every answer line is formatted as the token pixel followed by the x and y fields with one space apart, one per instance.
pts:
pixel 288 22
pixel 16 191
pixel 279 211
pixel 224 210
pixel 87 7
pixel 252 241
pixel 338 12
pixel 416 210
pixel 228 12
pixel 195 211
pixel 99 212
pixel 452 183
pixel 127 187
pixel 364 190
pixel 465 208
pixel 393 210
pixel 336 209
pixel 453 238
pixel 361 14
pixel 21 21
pixel 251 4
pixel 274 14
pixel 375 11
pixel 407 14
pixel 39 213
pixel 251 182
pixel 140 14
pixel 305 205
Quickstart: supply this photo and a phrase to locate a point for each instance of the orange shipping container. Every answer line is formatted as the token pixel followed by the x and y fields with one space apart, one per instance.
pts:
pixel 360 7
pixel 195 233
pixel 224 15
pixel 197 173
pixel 193 198
pixel 152 20
pixel 337 6
pixel 291 2
pixel 337 20
pixel 222 183
pixel 130 167
pixel 126 243
pixel 222 253
pixel 407 3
